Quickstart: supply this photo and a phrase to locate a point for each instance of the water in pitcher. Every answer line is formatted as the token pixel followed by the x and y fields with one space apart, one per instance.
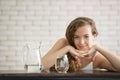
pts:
pixel 32 58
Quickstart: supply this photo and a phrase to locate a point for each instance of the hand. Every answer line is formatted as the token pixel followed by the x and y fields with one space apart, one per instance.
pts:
pixel 84 58
pixel 92 51
pixel 78 53
pixel 74 52
pixel 83 61
pixel 78 60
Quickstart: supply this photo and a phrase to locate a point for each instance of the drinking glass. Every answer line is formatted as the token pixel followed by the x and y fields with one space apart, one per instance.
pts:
pixel 62 64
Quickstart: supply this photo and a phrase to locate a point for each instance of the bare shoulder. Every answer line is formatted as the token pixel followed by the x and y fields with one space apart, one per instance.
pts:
pixel 98 59
pixel 62 41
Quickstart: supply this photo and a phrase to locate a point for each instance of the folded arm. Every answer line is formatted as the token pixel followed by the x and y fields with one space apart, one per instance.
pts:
pixel 60 48
pixel 110 61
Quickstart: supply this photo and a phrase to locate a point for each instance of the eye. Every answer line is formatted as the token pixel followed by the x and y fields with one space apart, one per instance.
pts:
pixel 75 37
pixel 86 36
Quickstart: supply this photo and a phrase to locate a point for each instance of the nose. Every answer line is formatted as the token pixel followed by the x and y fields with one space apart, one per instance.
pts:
pixel 82 41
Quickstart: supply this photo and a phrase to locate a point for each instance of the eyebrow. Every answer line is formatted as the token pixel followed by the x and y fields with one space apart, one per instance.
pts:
pixel 83 35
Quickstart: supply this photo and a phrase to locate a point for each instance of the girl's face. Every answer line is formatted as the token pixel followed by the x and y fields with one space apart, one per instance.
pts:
pixel 83 38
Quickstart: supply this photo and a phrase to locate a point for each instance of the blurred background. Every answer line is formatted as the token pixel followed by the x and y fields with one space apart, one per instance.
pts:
pixel 34 21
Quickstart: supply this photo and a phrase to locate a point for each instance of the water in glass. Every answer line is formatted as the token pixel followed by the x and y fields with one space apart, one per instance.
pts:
pixel 62 64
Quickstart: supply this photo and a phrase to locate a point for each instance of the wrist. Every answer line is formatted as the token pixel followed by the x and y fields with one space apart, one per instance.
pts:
pixel 93 50
pixel 68 47
pixel 97 47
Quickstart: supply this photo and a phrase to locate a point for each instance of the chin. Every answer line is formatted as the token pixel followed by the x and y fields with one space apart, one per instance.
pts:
pixel 84 49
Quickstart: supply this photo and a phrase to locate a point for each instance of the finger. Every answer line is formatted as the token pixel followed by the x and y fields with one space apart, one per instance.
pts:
pixel 78 53
pixel 81 52
pixel 77 59
pixel 86 55
pixel 92 51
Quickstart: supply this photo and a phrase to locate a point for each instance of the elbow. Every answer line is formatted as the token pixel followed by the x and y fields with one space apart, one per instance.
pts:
pixel 117 69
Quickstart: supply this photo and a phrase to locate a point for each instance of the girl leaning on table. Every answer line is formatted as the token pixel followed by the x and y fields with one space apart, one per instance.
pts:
pixel 80 48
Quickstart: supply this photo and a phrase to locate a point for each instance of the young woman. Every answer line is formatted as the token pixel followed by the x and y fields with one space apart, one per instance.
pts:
pixel 80 48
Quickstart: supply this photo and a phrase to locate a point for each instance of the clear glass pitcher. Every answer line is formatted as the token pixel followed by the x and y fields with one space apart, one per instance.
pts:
pixel 32 57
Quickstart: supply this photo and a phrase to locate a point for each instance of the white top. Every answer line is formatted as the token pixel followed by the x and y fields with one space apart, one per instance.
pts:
pixel 88 67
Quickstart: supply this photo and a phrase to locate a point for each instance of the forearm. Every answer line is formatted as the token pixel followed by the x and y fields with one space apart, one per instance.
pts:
pixel 112 58
pixel 49 59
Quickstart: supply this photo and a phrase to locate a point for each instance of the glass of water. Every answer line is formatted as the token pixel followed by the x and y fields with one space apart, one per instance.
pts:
pixel 62 64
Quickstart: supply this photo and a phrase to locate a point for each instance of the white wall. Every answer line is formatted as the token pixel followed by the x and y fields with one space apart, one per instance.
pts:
pixel 24 21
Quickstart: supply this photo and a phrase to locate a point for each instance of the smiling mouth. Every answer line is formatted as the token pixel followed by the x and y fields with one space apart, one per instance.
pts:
pixel 83 47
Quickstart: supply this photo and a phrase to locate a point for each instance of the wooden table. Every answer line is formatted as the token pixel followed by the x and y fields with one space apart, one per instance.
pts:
pixel 80 75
